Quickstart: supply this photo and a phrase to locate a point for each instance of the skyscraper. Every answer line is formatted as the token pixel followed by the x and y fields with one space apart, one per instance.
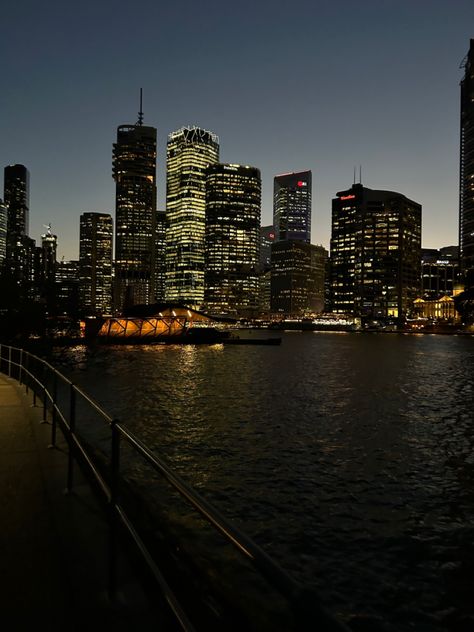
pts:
pixel 466 197
pixel 19 247
pixel 292 206
pixel 190 150
pixel 95 263
pixel 297 277
pixel 16 197
pixel 233 194
pixel 134 171
pixel 3 232
pixel 375 253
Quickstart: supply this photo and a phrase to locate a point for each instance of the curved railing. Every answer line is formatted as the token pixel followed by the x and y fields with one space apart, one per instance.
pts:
pixel 44 380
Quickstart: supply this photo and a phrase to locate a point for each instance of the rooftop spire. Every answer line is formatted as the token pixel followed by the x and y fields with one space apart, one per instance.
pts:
pixel 140 113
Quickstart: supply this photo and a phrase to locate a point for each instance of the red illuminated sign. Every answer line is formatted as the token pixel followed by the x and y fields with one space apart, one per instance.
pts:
pixel 301 183
pixel 271 235
pixel 347 197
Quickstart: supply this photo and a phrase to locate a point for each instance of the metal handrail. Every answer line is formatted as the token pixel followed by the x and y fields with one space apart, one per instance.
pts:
pixel 272 572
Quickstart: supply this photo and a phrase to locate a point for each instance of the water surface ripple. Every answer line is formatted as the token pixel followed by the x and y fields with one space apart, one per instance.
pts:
pixel 348 457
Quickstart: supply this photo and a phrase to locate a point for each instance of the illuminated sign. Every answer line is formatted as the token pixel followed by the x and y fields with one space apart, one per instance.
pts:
pixel 347 197
pixel 301 183
pixel 271 235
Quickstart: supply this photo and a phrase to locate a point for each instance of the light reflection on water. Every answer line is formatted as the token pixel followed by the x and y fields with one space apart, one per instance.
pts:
pixel 348 457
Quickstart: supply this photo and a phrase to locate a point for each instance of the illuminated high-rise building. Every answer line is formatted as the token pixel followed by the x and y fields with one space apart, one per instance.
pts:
pixel 16 196
pixel 134 171
pixel 233 195
pixel 375 253
pixel 160 256
pixel 189 152
pixel 292 206
pixel 95 263
pixel 466 197
pixel 19 247
pixel 3 231
pixel 297 277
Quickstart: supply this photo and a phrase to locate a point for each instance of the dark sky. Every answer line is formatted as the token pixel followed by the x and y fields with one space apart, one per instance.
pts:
pixel 321 85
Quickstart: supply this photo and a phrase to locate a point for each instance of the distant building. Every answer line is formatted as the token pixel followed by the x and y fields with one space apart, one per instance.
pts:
pixel 19 247
pixel 297 277
pixel 160 256
pixel 16 197
pixel 439 271
pixel 3 231
pixel 95 263
pixel 375 253
pixel 233 194
pixel 134 172
pixel 267 237
pixel 292 206
pixel 67 288
pixel 466 197
pixel 189 152
pixel 49 248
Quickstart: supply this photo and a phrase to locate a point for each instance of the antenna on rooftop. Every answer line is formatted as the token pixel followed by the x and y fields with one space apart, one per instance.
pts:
pixel 360 174
pixel 354 175
pixel 140 113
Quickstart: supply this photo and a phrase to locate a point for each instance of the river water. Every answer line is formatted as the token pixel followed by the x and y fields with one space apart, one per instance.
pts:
pixel 348 457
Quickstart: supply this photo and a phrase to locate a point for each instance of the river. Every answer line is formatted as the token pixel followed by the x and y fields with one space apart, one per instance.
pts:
pixel 348 457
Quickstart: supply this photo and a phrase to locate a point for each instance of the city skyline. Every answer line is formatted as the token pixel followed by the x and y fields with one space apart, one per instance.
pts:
pixel 320 87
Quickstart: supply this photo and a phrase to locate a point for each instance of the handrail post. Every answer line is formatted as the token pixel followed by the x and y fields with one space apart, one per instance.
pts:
pixel 72 429
pixel 9 361
pixel 27 375
pixel 114 478
pixel 20 370
pixel 54 413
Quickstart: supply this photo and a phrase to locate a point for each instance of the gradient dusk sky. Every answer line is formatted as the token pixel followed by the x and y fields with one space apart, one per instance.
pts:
pixel 320 85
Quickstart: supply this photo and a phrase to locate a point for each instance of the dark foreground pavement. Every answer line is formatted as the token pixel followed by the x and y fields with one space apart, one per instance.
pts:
pixel 53 545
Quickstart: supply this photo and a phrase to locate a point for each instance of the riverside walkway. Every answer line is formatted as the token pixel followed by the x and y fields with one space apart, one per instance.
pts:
pixel 53 545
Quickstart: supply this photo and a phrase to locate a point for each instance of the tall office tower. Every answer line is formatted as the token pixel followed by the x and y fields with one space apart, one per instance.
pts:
pixel 466 172
pixel 267 237
pixel 49 248
pixel 46 273
pixel 439 272
pixel 160 256
pixel 67 288
pixel 233 194
pixel 3 231
pixel 134 171
pixel 292 206
pixel 95 263
pixel 190 150
pixel 16 197
pixel 297 277
pixel 375 253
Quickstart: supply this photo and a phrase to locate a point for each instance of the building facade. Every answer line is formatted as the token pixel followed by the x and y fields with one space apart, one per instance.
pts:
pixel 232 254
pixel 16 197
pixel 67 288
pixel 297 278
pixel 466 193
pixel 189 152
pixel 439 272
pixel 95 263
pixel 375 253
pixel 134 172
pixel 19 248
pixel 3 232
pixel 292 206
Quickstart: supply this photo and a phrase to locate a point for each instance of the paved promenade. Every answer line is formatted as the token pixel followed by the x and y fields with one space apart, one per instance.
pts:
pixel 53 546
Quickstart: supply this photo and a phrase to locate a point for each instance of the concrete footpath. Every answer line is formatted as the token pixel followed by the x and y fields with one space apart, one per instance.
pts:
pixel 53 545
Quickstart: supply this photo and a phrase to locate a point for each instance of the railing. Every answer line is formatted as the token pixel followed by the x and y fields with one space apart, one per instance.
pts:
pixel 60 399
